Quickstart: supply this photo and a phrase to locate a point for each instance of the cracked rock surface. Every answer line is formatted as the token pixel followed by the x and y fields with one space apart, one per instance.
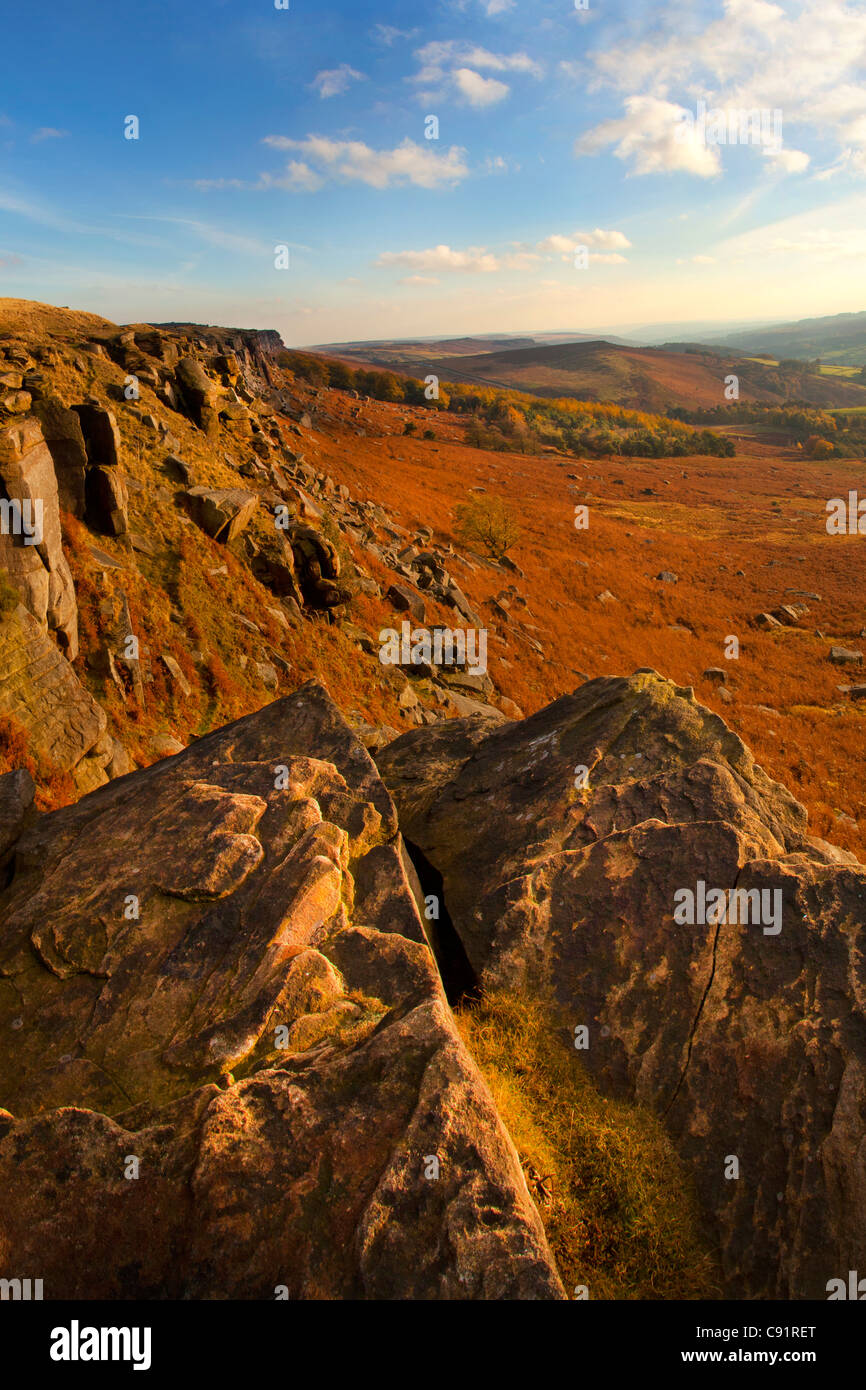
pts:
pixel 225 1054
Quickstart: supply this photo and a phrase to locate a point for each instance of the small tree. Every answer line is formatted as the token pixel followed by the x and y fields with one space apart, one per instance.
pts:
pixel 819 448
pixel 487 521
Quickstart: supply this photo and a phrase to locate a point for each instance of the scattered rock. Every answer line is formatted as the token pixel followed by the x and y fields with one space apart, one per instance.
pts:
pixel 221 512
pixel 406 600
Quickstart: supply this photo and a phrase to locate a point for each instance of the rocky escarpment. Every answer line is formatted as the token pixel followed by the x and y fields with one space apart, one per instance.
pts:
pixel 142 445
pixel 227 1067
pixel 570 846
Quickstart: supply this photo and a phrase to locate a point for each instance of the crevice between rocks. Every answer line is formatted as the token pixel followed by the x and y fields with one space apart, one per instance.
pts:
pixel 458 977
pixel 694 1028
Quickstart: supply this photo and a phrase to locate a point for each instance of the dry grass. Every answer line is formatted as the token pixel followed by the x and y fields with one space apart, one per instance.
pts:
pixel 53 787
pixel 616 1201
pixel 762 513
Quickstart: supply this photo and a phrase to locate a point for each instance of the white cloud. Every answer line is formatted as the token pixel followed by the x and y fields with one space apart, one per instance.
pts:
pixel 652 138
pixel 332 82
pixel 475 258
pixel 442 60
pixel 479 259
pixel 703 260
pixel 599 240
pixel 478 90
pixel 419 280
pixel 47 132
pixel 354 161
pixel 494 7
pixel 803 59
pixel 789 161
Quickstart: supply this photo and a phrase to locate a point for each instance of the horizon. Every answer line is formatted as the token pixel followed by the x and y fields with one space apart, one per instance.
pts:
pixel 261 128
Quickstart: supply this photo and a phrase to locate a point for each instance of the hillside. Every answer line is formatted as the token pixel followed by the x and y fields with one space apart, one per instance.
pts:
pixel 305 921
pixel 649 379
pixel 839 338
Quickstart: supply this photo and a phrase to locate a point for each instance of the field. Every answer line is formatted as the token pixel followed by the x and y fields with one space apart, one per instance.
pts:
pixel 742 535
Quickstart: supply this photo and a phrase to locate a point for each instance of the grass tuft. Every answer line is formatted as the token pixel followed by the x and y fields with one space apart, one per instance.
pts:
pixel 616 1201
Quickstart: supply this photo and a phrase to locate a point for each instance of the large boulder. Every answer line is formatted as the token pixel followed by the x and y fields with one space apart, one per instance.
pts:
pixel 39 570
pixel 223 1033
pixel 198 394
pixel 570 846
pixel 222 512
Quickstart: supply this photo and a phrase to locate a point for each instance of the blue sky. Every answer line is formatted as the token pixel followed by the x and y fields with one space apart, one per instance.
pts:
pixel 558 128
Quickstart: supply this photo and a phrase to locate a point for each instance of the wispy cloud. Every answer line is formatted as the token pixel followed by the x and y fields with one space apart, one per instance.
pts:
pixel 332 82
pixel 211 235
pixel 47 132
pixel 387 34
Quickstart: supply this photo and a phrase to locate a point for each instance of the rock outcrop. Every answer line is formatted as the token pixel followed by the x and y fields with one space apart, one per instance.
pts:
pixel 36 564
pixel 198 394
pixel 61 428
pixel 66 727
pixel 227 1065
pixel 570 846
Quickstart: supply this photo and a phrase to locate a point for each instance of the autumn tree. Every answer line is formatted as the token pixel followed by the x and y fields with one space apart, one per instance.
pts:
pixel 488 522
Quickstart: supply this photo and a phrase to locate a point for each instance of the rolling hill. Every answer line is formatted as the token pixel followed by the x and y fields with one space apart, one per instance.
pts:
pixel 651 379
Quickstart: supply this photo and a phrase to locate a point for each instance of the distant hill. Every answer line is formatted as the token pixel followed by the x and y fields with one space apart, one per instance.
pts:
pixel 398 352
pixel 651 379
pixel 836 338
